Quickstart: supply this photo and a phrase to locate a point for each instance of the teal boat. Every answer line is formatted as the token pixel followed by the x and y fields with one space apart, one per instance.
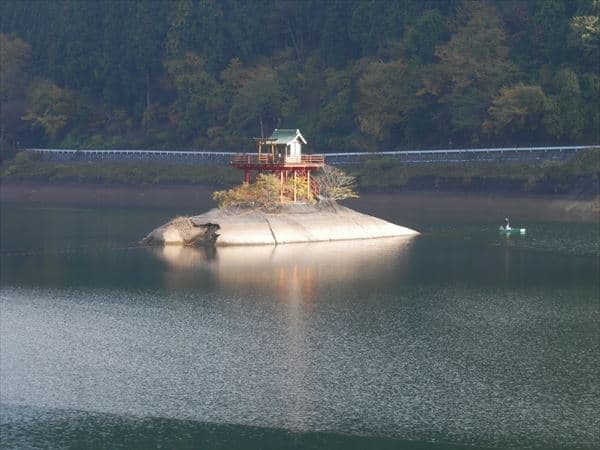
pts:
pixel 509 230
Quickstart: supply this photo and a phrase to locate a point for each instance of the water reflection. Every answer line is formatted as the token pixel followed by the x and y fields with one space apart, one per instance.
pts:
pixel 292 271
pixel 293 277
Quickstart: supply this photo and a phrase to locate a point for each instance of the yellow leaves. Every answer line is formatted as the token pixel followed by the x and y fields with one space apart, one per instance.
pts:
pixel 383 94
pixel 588 27
pixel 476 54
pixel 267 192
pixel 49 106
pixel 514 108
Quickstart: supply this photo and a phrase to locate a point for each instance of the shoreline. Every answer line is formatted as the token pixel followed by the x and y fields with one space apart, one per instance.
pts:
pixel 447 204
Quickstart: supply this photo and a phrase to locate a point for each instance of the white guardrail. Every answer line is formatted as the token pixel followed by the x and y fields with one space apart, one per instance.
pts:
pixel 334 158
pixel 468 150
pixel 128 152
pixel 327 154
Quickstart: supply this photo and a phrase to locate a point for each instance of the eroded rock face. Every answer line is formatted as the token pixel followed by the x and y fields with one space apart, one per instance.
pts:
pixel 183 231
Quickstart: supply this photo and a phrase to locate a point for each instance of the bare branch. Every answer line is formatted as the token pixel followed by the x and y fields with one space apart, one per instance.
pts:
pixel 336 184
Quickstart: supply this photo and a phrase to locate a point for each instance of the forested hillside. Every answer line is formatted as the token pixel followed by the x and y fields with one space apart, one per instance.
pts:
pixel 366 75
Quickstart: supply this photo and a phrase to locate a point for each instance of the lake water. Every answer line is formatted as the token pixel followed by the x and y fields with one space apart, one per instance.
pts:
pixel 459 338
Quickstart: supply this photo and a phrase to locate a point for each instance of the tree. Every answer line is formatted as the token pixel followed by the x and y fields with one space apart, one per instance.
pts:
pixel 473 65
pixel 14 77
pixel 515 109
pixel 590 98
pixel 374 24
pixel 199 102
pixel 148 31
pixel 335 184
pixel 180 22
pixel 335 107
pixel 476 53
pixel 49 106
pixel 334 47
pixel 550 30
pixel 257 102
pixel 588 27
pixel 386 94
pixel 424 35
pixel 563 117
pixel 14 61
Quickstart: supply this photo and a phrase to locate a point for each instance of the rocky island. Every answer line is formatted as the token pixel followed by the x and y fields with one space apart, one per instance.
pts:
pixel 323 221
pixel 283 203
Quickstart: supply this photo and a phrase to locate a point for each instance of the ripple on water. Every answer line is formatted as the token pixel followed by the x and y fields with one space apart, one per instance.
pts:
pixel 437 362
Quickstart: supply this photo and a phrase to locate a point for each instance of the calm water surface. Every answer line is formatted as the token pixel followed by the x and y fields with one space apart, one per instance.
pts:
pixel 458 338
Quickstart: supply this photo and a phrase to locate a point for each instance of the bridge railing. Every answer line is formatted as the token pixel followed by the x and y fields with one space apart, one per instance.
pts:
pixel 470 150
pixel 393 152
pixel 213 157
pixel 180 153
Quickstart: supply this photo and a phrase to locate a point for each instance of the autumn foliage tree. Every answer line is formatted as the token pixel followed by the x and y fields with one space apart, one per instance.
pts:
pixel 266 193
pixel 49 106
pixel 473 65
pixel 518 108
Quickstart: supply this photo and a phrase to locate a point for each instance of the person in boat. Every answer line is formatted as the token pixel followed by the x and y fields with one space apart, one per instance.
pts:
pixel 506 224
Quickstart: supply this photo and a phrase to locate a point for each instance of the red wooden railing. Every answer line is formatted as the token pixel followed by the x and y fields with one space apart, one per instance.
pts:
pixel 242 159
pixel 313 159
pixel 251 159
pixel 315 187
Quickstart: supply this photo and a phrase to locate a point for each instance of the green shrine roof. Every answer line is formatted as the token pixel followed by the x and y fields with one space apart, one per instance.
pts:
pixel 285 136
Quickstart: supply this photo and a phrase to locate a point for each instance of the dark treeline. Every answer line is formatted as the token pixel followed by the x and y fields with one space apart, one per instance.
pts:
pixel 365 75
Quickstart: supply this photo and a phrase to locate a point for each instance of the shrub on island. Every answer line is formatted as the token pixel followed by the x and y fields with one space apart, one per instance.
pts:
pixel 267 192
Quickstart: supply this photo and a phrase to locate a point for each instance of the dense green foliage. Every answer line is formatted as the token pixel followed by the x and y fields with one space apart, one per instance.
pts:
pixel 352 74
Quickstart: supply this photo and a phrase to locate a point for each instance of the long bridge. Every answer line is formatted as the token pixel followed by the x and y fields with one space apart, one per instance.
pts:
pixel 333 158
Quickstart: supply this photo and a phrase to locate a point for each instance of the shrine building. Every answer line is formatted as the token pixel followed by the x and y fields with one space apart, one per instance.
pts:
pixel 281 154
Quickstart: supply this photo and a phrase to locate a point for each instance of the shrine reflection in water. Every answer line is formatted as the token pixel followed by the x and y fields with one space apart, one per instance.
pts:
pixel 292 272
